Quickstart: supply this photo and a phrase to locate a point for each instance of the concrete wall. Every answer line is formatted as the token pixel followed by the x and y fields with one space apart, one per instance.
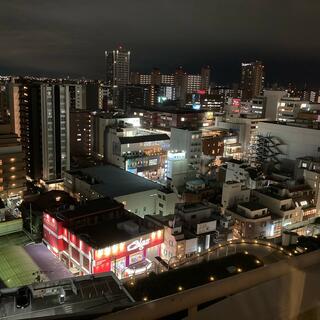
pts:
pixel 149 202
pixel 298 142
pixel 8 227
pixel 140 203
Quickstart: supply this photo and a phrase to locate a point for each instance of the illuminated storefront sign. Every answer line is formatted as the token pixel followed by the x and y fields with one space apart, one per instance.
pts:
pixel 138 244
pixel 236 102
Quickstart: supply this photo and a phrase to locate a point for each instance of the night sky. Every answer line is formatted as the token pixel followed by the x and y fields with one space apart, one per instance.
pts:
pixel 68 37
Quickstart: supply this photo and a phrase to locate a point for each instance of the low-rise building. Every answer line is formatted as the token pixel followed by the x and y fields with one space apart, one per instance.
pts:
pixel 100 236
pixel 191 230
pixel 234 192
pixel 308 169
pixel 138 195
pixel 246 128
pixel 138 151
pixel 32 210
pixel 190 142
pixel 241 171
pixel 250 220
pixel 297 140
pixel 280 202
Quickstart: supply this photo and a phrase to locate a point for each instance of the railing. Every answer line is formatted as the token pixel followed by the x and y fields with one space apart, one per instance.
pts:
pixel 181 261
pixel 192 298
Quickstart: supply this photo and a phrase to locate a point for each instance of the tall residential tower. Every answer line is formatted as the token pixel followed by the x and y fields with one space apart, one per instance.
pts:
pixel 117 72
pixel 252 79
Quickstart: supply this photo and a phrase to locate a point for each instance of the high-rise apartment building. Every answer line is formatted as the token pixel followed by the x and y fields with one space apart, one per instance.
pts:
pixel 12 165
pixel 55 130
pixel 81 133
pixel 156 77
pixel 117 67
pixel 180 83
pixel 205 78
pixel 14 107
pixel 252 79
pixel 117 73
pixel 167 79
pixel 4 104
pixel 145 79
pixel 193 83
pixel 44 121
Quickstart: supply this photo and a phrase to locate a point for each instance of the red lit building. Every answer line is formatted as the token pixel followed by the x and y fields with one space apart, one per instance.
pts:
pixel 102 236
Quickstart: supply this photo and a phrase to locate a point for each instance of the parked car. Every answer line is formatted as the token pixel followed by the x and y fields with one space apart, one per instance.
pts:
pixel 23 296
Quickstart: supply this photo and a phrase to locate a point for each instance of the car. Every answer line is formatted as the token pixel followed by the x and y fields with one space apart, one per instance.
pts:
pixel 23 297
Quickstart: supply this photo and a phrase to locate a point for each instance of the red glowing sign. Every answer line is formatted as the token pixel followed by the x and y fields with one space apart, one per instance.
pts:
pixel 201 92
pixel 236 102
pixel 138 244
pixel 124 248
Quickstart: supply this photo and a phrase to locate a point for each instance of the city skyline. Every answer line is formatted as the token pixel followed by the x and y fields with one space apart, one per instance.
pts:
pixel 159 160
pixel 45 39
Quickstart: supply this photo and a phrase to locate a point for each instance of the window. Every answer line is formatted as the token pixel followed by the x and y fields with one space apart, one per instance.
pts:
pixel 144 209
pixel 160 205
pixel 86 263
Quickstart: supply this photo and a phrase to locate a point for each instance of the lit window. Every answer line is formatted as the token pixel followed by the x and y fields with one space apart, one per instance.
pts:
pixel 115 249
pixel 107 251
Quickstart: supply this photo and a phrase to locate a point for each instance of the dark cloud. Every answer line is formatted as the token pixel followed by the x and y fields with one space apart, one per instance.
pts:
pixel 68 37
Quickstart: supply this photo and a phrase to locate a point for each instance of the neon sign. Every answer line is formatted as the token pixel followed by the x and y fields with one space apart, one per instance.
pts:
pixel 138 244
pixel 236 102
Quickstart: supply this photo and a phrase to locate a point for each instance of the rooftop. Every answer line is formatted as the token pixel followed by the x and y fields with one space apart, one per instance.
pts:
pixel 169 109
pixel 236 161
pixel 269 191
pixel 252 205
pixel 51 201
pixel 190 207
pixel 91 207
pixel 112 182
pixel 112 229
pixel 85 297
pixel 307 125
pixel 144 138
